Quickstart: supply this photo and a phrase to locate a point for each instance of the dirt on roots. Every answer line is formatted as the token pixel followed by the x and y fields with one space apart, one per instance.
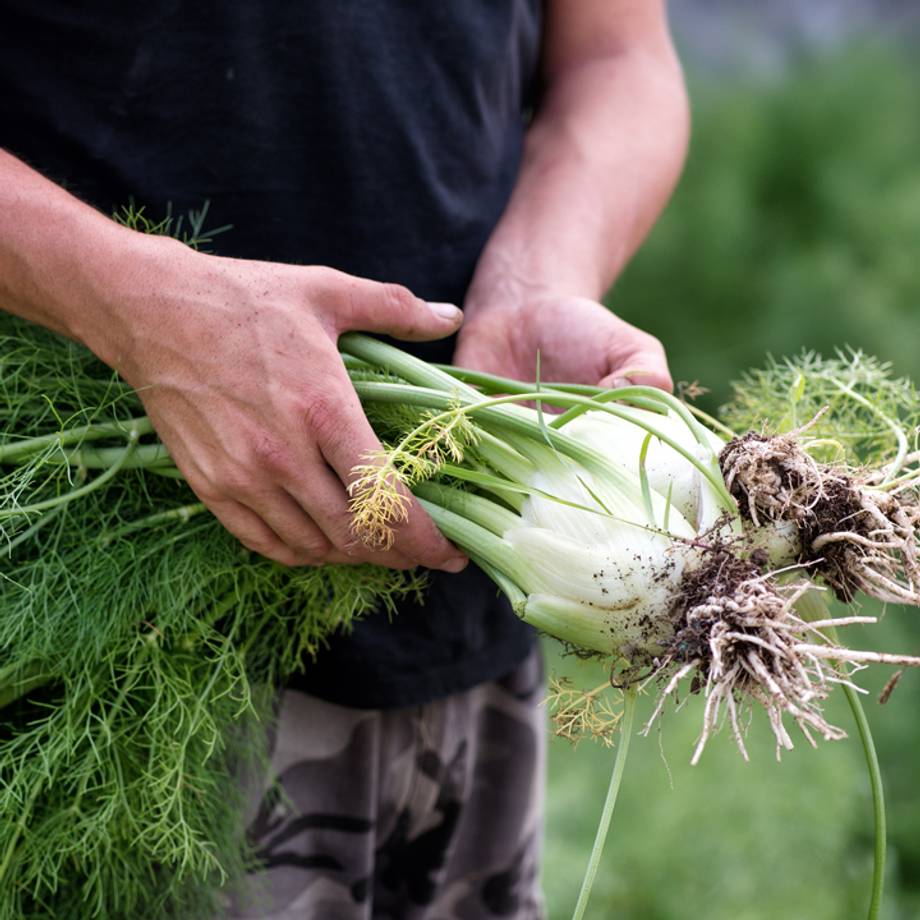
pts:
pixel 739 641
pixel 855 535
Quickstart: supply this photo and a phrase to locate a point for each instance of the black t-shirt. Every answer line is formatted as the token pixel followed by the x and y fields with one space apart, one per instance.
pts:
pixel 381 138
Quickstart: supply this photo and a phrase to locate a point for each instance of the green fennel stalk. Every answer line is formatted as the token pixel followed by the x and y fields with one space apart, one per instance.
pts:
pixel 613 790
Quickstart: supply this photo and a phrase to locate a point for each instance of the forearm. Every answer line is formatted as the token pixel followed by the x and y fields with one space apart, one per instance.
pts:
pixel 67 266
pixel 600 161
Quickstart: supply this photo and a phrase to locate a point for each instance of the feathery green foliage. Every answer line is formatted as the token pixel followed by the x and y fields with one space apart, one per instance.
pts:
pixel 865 404
pixel 140 647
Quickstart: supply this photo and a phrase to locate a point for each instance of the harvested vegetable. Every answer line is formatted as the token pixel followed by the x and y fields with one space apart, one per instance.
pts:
pixel 634 532
pixel 141 647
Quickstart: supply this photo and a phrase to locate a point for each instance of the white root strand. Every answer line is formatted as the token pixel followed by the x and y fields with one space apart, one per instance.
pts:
pixel 846 654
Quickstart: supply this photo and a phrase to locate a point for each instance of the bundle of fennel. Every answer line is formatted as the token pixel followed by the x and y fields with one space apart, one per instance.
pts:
pixel 140 646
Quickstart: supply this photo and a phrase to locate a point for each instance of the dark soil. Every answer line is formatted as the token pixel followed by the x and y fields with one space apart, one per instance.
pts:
pixel 720 577
pixel 837 508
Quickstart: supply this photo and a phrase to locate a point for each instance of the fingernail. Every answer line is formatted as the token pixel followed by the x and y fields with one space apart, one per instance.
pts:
pixel 618 382
pixel 455 565
pixel 446 311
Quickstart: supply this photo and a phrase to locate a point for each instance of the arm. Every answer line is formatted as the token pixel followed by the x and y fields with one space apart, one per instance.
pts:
pixel 236 361
pixel 600 160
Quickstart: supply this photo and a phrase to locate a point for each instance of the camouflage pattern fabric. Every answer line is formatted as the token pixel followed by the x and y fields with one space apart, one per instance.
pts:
pixel 432 812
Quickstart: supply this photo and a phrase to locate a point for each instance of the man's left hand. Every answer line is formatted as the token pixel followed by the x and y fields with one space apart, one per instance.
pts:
pixel 579 341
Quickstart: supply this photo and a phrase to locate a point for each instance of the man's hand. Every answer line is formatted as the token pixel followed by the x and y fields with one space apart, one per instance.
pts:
pixel 579 341
pixel 235 360
pixel 237 366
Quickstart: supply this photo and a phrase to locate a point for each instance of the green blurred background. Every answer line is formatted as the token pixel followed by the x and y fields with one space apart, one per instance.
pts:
pixel 797 224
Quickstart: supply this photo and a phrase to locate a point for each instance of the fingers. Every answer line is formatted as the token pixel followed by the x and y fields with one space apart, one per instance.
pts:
pixel 635 357
pixel 292 539
pixel 252 531
pixel 346 439
pixel 285 497
pixel 369 306
pixel 273 522
pixel 322 491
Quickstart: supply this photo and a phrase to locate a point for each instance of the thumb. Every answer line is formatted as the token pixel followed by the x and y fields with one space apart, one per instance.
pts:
pixel 394 310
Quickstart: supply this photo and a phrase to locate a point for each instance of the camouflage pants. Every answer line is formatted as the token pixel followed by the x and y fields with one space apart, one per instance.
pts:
pixel 426 813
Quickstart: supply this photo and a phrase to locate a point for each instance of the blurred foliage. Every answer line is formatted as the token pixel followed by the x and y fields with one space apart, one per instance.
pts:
pixel 796 225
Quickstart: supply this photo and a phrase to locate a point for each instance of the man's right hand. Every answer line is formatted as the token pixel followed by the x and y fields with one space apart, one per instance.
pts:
pixel 237 366
pixel 235 361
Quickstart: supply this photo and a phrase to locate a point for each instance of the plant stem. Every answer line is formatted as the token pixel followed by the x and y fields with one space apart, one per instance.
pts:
pixel 101 458
pixel 30 532
pixel 419 372
pixel 497 413
pixel 641 397
pixel 477 508
pixel 28 679
pixel 504 458
pixel 629 394
pixel 498 384
pixel 14 451
pixel 878 800
pixel 603 827
pixel 903 447
pixel 494 384
pixel 482 542
pixel 812 607
pixel 180 515
pixel 403 365
pixel 712 421
pixel 80 491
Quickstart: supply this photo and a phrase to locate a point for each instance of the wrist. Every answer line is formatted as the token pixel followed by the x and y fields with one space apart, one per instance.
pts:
pixel 505 283
pixel 70 268
pixel 67 266
pixel 120 289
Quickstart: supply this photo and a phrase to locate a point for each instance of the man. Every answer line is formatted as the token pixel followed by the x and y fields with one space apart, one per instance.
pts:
pixel 379 168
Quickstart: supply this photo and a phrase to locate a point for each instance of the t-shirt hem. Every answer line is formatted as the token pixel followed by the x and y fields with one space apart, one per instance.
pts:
pixel 359 690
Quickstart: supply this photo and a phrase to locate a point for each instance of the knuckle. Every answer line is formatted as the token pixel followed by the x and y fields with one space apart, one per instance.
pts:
pixel 316 548
pixel 322 414
pixel 287 558
pixel 433 560
pixel 258 545
pixel 311 562
pixel 344 544
pixel 209 492
pixel 655 346
pixel 646 340
pixel 275 550
pixel 233 480
pixel 398 299
pixel 423 549
pixel 399 562
pixel 321 279
pixel 271 454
